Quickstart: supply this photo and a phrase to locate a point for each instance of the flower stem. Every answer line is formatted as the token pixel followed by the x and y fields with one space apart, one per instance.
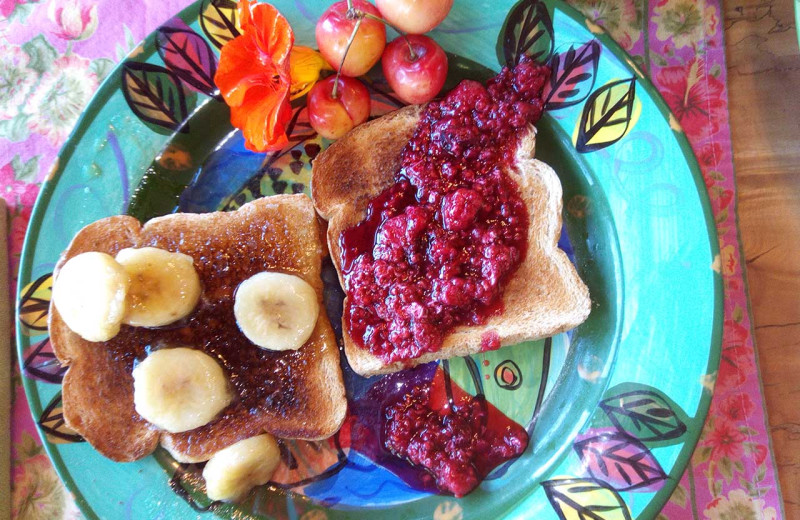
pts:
pixel 334 92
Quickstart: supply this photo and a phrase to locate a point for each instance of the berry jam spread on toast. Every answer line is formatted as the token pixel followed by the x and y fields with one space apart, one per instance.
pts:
pixel 438 245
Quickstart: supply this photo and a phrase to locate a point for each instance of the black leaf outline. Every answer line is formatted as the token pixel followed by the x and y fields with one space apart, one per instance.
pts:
pixel 645 467
pixel 220 22
pixel 658 418
pixel 289 459
pixel 51 421
pixel 161 88
pixel 41 363
pixel 558 498
pixel 168 44
pixel 600 101
pixel 39 307
pixel 562 67
pixel 527 23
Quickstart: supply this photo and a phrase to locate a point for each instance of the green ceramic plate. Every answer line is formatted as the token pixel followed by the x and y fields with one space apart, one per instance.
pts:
pixel 613 409
pixel 797 19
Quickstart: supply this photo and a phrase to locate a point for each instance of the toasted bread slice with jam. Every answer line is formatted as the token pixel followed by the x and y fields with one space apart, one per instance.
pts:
pixel 292 394
pixel 543 297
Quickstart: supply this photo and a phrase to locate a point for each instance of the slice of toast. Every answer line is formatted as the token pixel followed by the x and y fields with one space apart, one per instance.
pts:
pixel 291 394
pixel 543 297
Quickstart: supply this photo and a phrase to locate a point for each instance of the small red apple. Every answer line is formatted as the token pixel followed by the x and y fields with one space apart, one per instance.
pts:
pixel 418 77
pixel 332 117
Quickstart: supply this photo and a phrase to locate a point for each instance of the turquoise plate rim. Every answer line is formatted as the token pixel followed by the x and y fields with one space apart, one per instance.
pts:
pixel 657 502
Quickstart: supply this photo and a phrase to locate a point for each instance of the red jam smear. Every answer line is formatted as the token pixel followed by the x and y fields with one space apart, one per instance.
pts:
pixel 490 340
pixel 457 440
pixel 437 246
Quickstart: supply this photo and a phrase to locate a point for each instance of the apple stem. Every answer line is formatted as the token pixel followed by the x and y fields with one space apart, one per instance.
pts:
pixel 357 14
pixel 412 54
pixel 344 57
pixel 349 4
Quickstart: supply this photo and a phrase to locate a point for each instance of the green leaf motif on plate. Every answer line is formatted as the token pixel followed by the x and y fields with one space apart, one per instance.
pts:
pixel 528 29
pixel 155 95
pixel 608 115
pixel 584 498
pixel 645 413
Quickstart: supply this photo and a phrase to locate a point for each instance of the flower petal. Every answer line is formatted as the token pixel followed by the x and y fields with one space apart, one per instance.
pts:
pixel 238 71
pixel 305 65
pixel 253 76
pixel 263 118
pixel 274 35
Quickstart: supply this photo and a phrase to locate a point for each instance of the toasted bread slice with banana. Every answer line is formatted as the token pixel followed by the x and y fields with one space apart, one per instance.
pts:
pixel 294 393
pixel 543 297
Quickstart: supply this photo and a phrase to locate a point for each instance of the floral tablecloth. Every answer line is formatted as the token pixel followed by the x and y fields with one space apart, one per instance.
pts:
pixel 53 55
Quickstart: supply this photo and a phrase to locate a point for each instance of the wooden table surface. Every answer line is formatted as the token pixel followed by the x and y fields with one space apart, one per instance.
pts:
pixel 764 82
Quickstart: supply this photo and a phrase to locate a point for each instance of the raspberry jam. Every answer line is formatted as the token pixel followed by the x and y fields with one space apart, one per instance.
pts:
pixel 438 245
pixel 458 438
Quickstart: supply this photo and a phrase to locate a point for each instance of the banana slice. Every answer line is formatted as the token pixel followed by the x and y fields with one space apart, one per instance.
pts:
pixel 164 286
pixel 90 293
pixel 233 471
pixel 179 389
pixel 276 311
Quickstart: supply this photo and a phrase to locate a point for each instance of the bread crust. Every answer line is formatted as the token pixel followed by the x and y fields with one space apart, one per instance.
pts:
pixel 543 297
pixel 275 233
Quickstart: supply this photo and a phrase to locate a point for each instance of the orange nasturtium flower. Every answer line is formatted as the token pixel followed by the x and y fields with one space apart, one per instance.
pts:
pixel 254 77
pixel 260 71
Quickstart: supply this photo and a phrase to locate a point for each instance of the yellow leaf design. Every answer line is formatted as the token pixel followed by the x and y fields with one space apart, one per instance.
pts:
pixel 585 499
pixel 34 304
pixel 305 66
pixel 219 19
pixel 608 115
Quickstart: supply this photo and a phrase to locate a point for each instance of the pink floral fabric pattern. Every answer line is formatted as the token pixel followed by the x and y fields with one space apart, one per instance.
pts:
pixel 55 53
pixel 731 475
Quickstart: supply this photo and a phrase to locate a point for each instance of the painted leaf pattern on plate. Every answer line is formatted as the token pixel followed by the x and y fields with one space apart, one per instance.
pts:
pixel 620 460
pixel 219 21
pixel 52 423
pixel 304 462
pixel 154 94
pixel 730 499
pixel 573 76
pixel 40 363
pixel 585 499
pixel 644 413
pixel 528 30
pixel 189 56
pixel 34 304
pixel 607 115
